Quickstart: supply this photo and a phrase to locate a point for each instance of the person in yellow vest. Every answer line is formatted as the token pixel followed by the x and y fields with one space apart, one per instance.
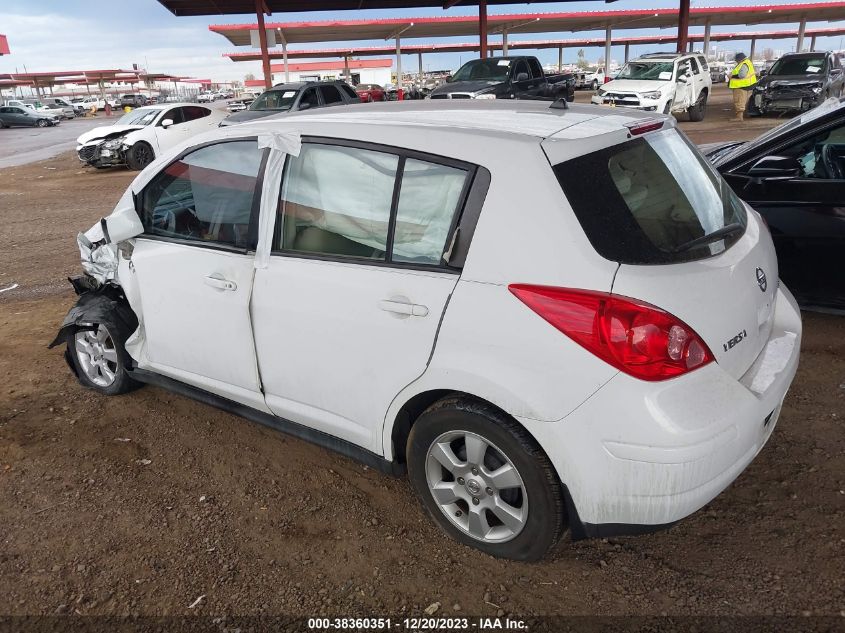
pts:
pixel 743 78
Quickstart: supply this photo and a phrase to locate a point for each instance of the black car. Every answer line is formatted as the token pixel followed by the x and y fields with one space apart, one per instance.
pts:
pixel 133 100
pixel 294 97
pixel 794 176
pixel 798 82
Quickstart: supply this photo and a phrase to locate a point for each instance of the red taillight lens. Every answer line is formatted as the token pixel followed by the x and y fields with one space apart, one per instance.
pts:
pixel 640 339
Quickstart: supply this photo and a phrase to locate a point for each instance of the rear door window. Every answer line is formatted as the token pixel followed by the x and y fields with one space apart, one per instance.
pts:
pixel 652 200
pixel 330 95
pixel 536 69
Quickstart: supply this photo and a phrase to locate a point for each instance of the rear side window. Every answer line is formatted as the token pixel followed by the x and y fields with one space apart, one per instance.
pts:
pixel 195 112
pixel 330 95
pixel 205 196
pixel 536 69
pixel 652 200
pixel 703 62
pixel 349 91
pixel 355 202
pixel 694 65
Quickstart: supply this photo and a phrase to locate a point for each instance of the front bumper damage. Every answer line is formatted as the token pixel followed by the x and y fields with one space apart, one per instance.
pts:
pixel 103 152
pixel 785 99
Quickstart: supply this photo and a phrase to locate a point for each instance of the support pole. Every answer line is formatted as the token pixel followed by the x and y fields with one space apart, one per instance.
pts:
pixel 683 26
pixel 627 52
pixel 753 47
pixel 346 72
pixel 560 59
pixel 813 44
pixel 504 42
pixel 285 58
pixel 399 95
pixel 482 28
pixel 607 41
pixel 801 29
pixel 706 40
pixel 262 38
pixel 420 67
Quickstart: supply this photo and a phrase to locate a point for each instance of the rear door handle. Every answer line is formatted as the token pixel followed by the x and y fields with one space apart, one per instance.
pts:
pixel 220 283
pixel 403 307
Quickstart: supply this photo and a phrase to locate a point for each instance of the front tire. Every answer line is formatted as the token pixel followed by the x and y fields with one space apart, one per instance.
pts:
pixel 139 156
pixel 100 360
pixel 42 123
pixel 484 479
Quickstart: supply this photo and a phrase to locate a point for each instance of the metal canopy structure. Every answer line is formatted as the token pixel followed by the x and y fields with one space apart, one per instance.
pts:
pixel 471 47
pixel 235 7
pixel 452 26
pixel 262 7
pixel 4 45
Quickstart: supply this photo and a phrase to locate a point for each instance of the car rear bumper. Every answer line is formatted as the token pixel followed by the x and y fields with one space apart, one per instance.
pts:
pixel 637 456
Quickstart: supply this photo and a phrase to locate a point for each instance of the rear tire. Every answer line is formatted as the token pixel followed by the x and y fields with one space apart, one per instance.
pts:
pixel 139 156
pixel 495 468
pixel 594 85
pixel 100 360
pixel 697 111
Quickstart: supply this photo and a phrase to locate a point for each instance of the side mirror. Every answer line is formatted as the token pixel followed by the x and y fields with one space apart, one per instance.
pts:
pixel 449 79
pixel 775 168
pixel 521 77
pixel 762 73
pixel 167 123
pixel 304 105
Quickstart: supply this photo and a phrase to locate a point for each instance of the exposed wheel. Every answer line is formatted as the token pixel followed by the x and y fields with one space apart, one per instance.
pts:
pixel 42 123
pixel 484 480
pixel 100 360
pixel 595 84
pixel 697 111
pixel 139 155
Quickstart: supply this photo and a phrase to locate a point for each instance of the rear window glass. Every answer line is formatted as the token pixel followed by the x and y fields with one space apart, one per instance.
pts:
pixel 652 200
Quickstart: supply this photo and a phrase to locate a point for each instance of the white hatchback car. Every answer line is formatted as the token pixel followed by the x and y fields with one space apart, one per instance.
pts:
pixel 136 138
pixel 438 287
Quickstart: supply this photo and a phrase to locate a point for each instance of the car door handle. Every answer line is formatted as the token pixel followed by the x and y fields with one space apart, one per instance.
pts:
pixel 403 307
pixel 220 283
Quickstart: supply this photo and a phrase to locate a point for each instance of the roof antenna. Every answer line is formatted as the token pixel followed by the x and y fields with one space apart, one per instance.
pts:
pixel 560 104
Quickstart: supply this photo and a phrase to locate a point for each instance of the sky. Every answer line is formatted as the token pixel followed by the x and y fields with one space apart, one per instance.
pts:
pixel 52 35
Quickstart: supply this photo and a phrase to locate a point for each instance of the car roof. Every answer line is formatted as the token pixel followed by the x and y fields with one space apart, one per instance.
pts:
pixel 166 106
pixel 805 54
pixel 520 118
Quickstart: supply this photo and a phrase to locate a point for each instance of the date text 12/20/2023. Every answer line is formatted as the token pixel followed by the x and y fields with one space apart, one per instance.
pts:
pixel 417 624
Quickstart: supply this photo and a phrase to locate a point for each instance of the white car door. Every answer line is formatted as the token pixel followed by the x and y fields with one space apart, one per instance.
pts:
pixel 346 313
pixel 194 269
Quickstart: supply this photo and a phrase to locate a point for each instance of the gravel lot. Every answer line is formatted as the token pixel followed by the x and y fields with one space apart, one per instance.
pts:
pixel 143 503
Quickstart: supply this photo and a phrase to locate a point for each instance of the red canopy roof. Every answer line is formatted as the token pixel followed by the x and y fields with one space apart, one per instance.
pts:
pixel 459 47
pixel 4 45
pixel 449 26
pixel 335 65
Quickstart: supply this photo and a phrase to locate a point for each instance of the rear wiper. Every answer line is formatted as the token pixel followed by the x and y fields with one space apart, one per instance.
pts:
pixel 715 236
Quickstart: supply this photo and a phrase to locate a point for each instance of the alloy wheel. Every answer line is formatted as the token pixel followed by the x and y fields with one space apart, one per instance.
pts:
pixel 97 355
pixel 476 486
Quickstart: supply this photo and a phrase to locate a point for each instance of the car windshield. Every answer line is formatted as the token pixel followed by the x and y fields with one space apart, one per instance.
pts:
pixel 483 70
pixel 804 65
pixel 274 100
pixel 652 200
pixel 656 71
pixel 138 117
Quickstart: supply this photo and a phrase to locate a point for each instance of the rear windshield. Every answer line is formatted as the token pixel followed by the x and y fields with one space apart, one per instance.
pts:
pixel 652 200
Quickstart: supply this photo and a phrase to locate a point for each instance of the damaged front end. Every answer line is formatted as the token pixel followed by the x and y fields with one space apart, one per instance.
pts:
pixel 787 96
pixel 104 152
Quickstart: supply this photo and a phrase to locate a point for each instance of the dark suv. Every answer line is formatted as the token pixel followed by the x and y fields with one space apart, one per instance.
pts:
pixel 133 100
pixel 294 97
pixel 798 82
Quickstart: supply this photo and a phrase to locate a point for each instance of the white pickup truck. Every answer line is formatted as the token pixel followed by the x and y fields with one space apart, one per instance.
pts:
pixel 594 78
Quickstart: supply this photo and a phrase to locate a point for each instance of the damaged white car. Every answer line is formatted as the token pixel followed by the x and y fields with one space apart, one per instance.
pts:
pixel 139 136
pixel 373 279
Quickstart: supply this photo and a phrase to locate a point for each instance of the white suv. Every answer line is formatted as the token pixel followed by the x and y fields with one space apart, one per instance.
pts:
pixel 438 289
pixel 661 82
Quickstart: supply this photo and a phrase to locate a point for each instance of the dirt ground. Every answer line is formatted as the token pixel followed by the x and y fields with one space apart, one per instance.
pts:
pixel 141 504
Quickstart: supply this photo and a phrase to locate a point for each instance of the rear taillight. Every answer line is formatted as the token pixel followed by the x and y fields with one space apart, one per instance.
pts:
pixel 637 338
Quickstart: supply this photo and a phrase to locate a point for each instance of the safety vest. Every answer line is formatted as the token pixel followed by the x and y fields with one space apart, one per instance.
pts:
pixel 749 80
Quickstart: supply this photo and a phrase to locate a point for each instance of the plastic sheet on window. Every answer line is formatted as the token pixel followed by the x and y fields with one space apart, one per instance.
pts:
pixel 98 260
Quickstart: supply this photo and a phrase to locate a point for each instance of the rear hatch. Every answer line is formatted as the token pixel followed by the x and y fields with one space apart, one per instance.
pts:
pixel 684 241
